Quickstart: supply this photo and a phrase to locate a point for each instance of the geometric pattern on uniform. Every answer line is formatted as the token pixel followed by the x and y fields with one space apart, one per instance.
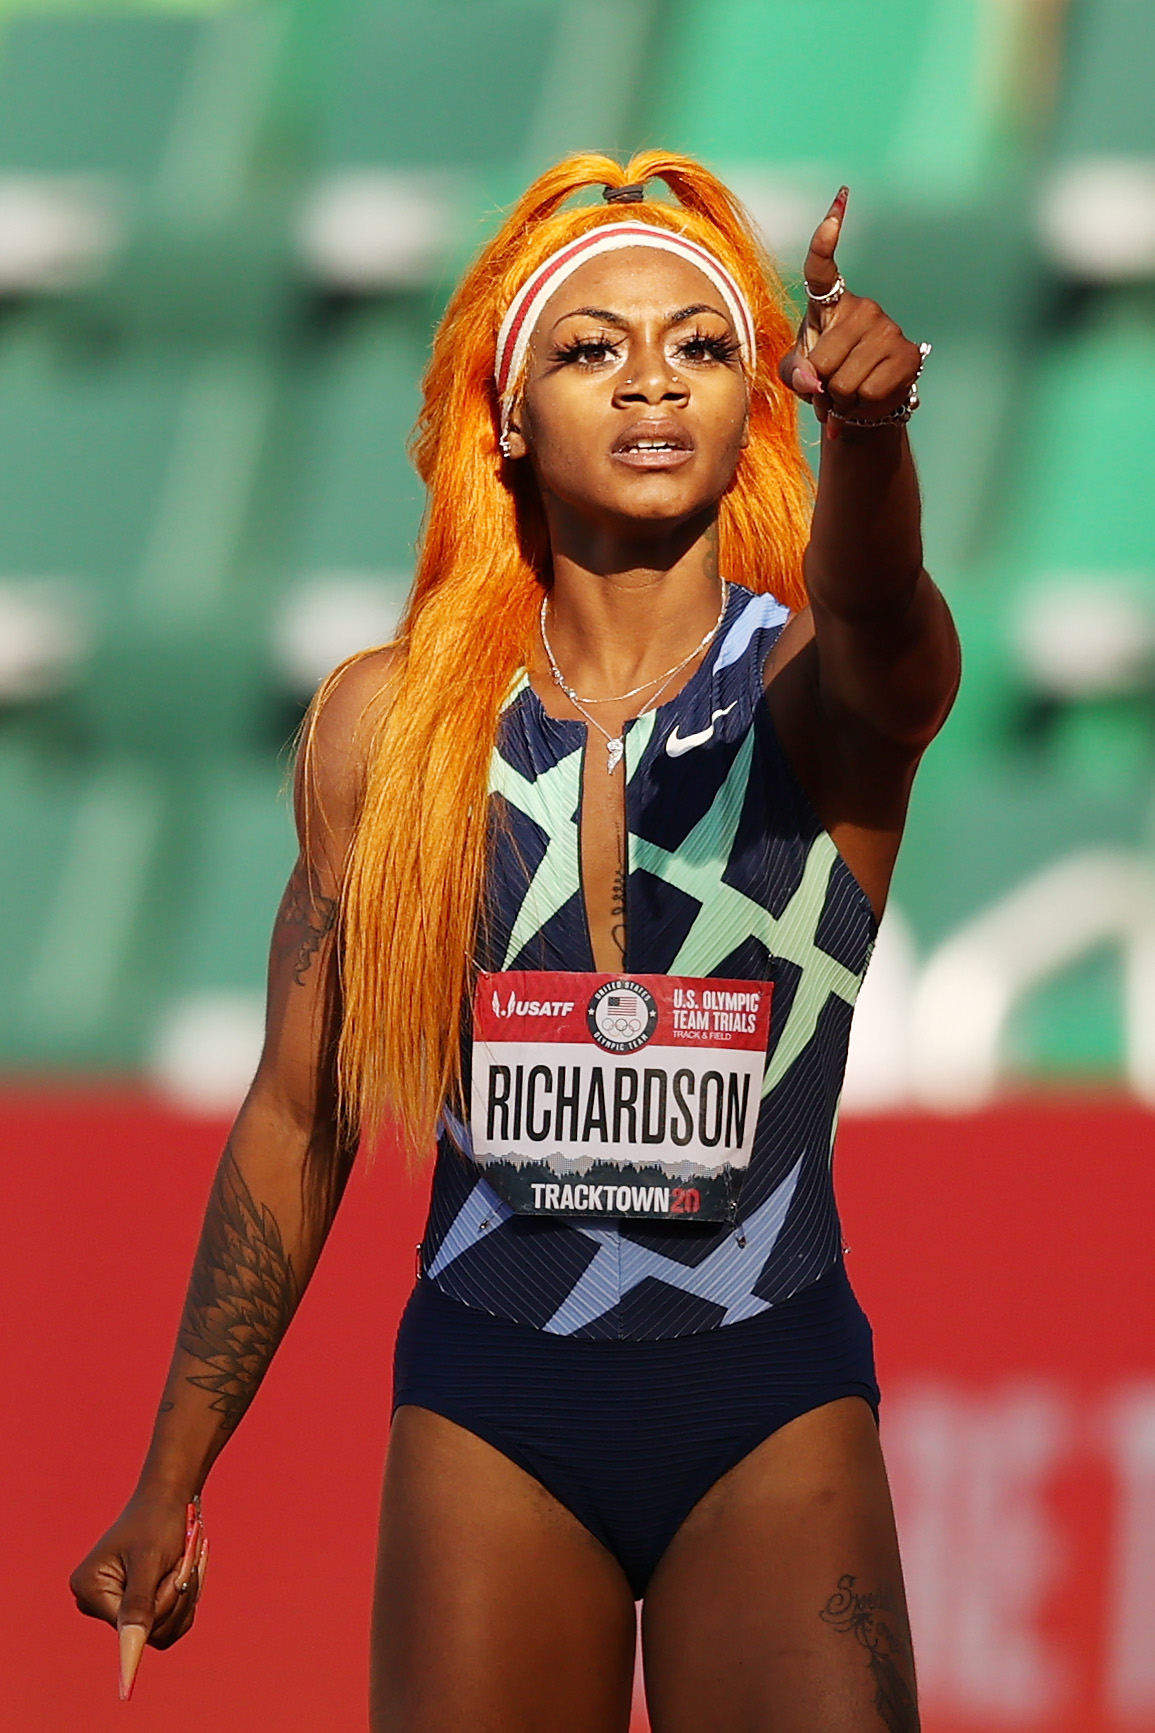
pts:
pixel 735 817
pixel 726 1277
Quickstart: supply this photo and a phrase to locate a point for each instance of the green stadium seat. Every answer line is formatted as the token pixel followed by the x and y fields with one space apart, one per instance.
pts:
pixel 359 498
pixel 1082 500
pixel 239 820
pixel 484 84
pixel 895 96
pixel 129 477
pixel 1106 107
pixel 84 439
pixel 208 1025
pixel 92 94
pixel 80 848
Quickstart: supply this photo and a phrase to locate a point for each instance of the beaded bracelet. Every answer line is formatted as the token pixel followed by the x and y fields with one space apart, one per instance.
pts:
pixel 897 417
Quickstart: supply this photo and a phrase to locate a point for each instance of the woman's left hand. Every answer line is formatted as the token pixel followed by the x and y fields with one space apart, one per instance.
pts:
pixel 850 357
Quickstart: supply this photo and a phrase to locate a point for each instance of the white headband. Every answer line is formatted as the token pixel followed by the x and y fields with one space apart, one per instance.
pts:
pixel 525 309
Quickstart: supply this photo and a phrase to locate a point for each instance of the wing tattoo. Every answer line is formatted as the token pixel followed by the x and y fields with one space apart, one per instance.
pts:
pixel 242 1294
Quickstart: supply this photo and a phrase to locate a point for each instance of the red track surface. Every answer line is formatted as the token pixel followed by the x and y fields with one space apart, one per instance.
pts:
pixel 992 1253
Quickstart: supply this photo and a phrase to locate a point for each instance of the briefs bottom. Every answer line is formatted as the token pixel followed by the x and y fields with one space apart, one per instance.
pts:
pixel 629 1435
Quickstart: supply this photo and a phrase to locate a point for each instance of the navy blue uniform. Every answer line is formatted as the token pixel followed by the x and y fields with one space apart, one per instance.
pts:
pixel 730 874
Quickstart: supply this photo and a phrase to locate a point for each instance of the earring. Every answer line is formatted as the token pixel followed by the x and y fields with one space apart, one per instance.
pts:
pixel 504 445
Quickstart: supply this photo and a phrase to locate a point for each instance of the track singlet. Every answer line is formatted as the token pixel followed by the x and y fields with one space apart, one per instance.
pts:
pixel 617 1095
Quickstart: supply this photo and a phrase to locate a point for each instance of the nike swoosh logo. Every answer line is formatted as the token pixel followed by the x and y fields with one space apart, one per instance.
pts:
pixel 677 744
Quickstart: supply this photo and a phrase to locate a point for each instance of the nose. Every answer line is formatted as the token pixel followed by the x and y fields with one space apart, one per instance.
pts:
pixel 650 377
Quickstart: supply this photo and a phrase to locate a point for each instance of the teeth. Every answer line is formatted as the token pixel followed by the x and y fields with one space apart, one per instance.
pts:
pixel 654 445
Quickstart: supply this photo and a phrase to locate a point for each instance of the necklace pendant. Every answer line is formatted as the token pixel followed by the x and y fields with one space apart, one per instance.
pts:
pixel 614 751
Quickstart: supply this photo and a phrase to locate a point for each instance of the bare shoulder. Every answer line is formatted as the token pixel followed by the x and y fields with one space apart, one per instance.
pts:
pixel 351 701
pixel 336 742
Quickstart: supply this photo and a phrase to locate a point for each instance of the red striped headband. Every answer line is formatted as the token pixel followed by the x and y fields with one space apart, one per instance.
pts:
pixel 525 308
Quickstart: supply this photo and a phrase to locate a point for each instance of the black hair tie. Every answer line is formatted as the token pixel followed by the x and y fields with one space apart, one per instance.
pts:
pixel 631 195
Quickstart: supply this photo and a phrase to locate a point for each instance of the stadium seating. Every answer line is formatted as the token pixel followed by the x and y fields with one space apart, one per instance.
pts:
pixel 225 233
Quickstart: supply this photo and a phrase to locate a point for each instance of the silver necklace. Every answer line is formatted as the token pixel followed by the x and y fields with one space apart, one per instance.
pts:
pixel 615 743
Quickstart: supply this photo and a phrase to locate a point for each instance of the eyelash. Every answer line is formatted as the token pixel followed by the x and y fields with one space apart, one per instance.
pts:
pixel 716 348
pixel 583 349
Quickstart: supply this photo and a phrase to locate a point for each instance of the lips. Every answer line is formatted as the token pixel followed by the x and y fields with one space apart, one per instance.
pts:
pixel 653 445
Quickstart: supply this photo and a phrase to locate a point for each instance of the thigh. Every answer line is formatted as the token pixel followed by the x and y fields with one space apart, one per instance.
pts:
pixel 495 1608
pixel 778 1606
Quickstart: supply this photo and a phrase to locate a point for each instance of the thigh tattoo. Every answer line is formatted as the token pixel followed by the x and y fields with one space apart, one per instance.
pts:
pixel 870 1617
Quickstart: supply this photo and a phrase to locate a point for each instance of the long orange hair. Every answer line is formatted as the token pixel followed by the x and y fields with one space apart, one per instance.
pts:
pixel 413 880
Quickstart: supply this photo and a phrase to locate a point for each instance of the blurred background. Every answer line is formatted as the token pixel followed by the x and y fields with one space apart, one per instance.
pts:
pixel 226 231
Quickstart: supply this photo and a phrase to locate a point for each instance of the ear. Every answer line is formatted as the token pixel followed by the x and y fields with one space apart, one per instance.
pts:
pixel 515 440
pixel 745 439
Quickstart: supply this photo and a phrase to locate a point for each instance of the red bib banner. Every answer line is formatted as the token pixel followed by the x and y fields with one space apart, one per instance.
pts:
pixel 617 1095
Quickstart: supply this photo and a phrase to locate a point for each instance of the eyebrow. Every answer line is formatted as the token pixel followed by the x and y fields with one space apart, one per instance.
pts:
pixel 609 318
pixel 602 313
pixel 692 312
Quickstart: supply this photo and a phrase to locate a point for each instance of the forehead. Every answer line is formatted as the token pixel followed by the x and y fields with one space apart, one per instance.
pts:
pixel 637 282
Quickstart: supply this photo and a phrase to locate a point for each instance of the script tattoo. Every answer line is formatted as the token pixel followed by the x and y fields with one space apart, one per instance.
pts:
pixel 887 1653
pixel 618 911
pixel 241 1296
pixel 304 920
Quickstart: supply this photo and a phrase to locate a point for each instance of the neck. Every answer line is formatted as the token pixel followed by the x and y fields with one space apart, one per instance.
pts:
pixel 621 610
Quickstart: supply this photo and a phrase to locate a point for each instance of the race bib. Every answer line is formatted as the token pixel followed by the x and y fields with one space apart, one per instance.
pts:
pixel 617 1095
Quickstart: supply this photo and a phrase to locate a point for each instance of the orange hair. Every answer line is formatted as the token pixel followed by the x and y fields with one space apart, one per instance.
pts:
pixel 413 883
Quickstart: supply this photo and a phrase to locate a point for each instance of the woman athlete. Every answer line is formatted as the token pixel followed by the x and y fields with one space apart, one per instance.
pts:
pixel 592 861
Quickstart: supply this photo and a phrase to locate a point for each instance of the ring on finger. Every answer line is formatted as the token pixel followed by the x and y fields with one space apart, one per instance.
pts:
pixel 832 296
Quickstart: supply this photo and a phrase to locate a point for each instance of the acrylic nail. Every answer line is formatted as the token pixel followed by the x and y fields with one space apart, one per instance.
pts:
pixel 132 1641
pixel 191 1542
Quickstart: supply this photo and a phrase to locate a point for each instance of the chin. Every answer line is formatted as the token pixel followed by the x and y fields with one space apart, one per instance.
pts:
pixel 656 504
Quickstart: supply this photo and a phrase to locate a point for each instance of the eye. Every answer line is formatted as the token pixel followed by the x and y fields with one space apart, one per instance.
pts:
pixel 706 346
pixel 587 351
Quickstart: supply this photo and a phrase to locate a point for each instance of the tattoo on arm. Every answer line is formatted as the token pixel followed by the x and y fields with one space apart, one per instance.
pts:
pixel 304 920
pixel 887 1650
pixel 242 1294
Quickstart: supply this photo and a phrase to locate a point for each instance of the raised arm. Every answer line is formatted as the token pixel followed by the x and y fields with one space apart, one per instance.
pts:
pixel 865 678
pixel 272 1201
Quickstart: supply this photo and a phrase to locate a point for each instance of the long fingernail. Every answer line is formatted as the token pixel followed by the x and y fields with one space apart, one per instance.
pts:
pixel 841 197
pixel 132 1641
pixel 191 1542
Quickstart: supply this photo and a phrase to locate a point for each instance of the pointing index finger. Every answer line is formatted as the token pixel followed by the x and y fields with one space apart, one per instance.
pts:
pixel 820 270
